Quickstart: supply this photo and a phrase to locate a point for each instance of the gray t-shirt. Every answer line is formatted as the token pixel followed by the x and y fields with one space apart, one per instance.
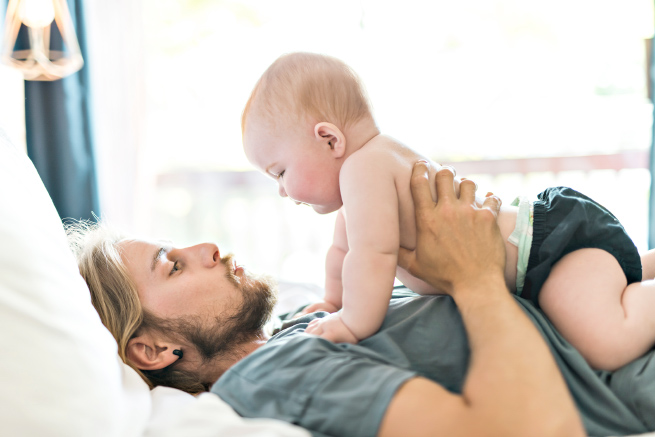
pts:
pixel 344 390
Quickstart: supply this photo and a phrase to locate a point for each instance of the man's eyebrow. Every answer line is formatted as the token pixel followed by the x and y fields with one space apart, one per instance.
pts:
pixel 158 253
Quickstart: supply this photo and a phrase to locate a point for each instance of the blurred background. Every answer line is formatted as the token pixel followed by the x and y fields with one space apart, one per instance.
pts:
pixel 518 94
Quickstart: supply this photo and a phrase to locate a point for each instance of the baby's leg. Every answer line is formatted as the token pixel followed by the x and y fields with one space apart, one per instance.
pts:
pixel 648 265
pixel 587 298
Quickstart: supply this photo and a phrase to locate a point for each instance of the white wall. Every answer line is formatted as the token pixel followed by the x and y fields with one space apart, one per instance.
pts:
pixel 12 105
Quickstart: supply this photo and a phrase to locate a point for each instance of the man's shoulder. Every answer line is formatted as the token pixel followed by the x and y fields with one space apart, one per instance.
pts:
pixel 291 346
pixel 289 360
pixel 296 377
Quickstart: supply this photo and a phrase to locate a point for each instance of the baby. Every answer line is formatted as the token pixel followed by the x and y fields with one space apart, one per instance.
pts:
pixel 308 124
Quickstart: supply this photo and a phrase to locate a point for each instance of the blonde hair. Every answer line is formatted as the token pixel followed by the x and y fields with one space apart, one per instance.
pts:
pixel 114 295
pixel 308 84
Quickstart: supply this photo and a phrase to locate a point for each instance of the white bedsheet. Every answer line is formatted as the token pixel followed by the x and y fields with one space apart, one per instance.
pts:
pixel 175 414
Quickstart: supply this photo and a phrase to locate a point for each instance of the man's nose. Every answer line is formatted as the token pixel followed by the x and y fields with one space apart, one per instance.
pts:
pixel 208 254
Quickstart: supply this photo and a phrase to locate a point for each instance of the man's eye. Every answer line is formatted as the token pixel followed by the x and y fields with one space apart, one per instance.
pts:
pixel 175 268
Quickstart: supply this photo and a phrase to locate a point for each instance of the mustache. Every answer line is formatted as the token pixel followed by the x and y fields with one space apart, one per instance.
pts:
pixel 228 262
pixel 243 323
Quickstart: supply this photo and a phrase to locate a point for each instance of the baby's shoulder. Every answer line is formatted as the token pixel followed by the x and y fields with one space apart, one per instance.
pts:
pixel 383 145
pixel 383 156
pixel 383 152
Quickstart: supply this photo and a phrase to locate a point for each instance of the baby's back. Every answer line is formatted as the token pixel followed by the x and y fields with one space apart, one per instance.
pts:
pixel 399 160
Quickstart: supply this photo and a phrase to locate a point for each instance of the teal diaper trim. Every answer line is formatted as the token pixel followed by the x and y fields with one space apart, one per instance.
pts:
pixel 521 237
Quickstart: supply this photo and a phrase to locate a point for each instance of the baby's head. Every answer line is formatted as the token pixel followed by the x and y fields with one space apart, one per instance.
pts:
pixel 296 123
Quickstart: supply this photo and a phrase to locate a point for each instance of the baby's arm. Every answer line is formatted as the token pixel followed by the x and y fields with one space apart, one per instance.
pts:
pixel 334 262
pixel 333 266
pixel 371 203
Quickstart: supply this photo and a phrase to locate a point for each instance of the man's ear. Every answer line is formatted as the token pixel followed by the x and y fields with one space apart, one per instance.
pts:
pixel 148 352
pixel 332 136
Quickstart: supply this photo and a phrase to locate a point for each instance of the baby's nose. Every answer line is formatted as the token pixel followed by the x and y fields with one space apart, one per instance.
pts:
pixel 281 191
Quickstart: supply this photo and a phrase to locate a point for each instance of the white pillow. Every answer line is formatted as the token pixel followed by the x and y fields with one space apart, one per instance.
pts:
pixel 59 371
pixel 60 374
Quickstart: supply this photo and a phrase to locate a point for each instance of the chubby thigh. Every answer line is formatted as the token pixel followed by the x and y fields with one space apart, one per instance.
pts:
pixel 587 298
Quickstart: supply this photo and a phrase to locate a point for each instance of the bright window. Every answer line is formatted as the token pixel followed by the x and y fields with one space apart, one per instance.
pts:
pixel 457 80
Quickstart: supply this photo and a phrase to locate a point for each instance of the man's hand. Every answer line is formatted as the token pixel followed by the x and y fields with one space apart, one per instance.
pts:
pixel 460 251
pixel 456 241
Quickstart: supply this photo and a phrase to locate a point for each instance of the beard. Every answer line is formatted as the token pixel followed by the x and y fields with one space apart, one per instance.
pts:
pixel 220 337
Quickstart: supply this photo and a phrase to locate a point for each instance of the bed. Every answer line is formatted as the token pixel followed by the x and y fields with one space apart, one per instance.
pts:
pixel 61 375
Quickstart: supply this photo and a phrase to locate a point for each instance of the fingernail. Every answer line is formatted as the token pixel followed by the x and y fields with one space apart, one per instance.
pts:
pixel 424 161
pixel 451 168
pixel 465 179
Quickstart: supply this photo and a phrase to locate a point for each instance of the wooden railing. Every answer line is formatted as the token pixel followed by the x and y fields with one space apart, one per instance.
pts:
pixel 615 161
pixel 242 210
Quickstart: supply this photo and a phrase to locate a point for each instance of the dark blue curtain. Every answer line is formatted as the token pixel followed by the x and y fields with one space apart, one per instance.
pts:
pixel 59 134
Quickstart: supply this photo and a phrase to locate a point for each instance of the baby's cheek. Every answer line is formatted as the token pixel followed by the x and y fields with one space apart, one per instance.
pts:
pixel 302 193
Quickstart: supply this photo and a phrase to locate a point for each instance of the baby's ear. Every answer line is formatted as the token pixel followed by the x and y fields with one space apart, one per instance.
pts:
pixel 332 137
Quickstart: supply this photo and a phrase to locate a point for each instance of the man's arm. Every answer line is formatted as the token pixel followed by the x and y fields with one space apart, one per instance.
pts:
pixel 513 387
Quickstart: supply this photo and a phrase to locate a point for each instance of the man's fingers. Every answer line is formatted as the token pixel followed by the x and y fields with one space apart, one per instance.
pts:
pixel 492 203
pixel 451 168
pixel 420 186
pixel 444 180
pixel 467 189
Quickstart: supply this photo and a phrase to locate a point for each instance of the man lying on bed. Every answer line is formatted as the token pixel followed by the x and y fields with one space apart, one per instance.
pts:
pixel 472 363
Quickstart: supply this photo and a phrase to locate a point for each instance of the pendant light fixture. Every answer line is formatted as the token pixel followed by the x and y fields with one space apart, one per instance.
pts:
pixel 39 39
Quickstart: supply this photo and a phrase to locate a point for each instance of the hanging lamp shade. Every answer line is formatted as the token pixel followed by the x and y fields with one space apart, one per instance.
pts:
pixel 39 39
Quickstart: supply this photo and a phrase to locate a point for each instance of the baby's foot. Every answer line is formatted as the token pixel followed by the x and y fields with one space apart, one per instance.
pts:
pixel 332 328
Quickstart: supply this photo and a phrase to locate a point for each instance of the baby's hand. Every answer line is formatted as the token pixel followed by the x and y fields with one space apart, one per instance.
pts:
pixel 318 306
pixel 332 328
